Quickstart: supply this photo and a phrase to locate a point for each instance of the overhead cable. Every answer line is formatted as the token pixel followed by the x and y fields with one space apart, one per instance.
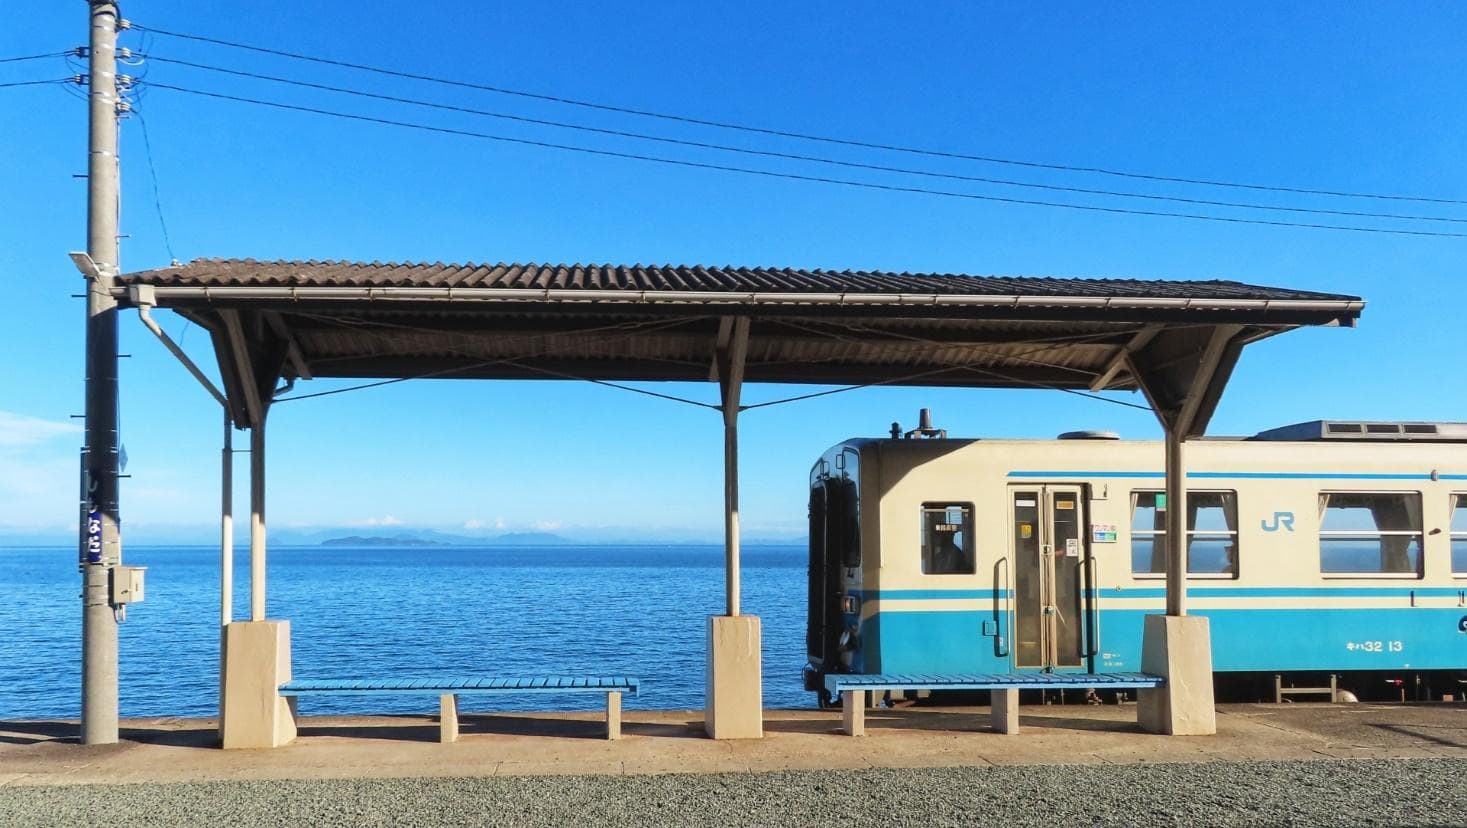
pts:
pixel 870 185
pixel 786 155
pixel 34 82
pixel 35 57
pixel 827 139
pixel 153 174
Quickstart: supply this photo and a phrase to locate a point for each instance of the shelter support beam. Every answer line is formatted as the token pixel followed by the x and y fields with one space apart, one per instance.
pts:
pixel 1122 360
pixel 735 702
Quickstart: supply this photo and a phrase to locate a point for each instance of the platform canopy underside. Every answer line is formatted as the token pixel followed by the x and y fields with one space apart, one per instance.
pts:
pixel 279 321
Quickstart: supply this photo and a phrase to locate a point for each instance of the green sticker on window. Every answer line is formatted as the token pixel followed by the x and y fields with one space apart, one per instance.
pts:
pixel 1161 501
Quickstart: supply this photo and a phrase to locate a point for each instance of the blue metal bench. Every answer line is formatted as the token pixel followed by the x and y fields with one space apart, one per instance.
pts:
pixel 449 689
pixel 1005 688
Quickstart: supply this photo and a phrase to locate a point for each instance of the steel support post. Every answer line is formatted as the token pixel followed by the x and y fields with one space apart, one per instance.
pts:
pixel 1176 523
pixel 257 521
pixel 731 509
pixel 731 358
pixel 101 541
pixel 226 524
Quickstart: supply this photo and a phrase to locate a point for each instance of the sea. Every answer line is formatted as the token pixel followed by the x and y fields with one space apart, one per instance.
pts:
pixel 378 612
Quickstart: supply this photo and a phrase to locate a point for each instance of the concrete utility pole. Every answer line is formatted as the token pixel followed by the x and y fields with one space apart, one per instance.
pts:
pixel 101 540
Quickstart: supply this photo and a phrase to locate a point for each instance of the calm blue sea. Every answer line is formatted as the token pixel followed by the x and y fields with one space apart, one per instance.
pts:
pixel 631 610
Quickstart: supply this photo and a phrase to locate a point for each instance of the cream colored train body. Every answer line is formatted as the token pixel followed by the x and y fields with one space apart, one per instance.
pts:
pixel 1342 553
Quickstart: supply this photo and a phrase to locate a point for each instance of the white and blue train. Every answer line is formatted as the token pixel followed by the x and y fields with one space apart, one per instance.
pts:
pixel 1322 549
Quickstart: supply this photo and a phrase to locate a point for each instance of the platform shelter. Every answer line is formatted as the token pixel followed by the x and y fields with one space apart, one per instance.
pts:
pixel 276 324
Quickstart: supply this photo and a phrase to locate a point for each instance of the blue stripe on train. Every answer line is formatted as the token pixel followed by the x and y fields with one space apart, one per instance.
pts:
pixel 1416 638
pixel 1402 592
pixel 1201 475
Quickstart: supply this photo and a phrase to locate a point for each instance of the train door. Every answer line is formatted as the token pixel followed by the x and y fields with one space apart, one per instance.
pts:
pixel 1048 549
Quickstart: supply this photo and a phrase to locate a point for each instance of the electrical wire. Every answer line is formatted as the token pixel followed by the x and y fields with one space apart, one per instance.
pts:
pixel 799 176
pixel 796 135
pixel 153 173
pixel 33 83
pixel 35 57
pixel 368 326
pixel 786 155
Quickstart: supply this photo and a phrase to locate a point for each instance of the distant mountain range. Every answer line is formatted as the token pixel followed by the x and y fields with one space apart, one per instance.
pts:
pixel 203 535
pixel 441 539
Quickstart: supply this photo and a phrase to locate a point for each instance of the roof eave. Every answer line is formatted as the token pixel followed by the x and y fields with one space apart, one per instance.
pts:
pixel 1344 310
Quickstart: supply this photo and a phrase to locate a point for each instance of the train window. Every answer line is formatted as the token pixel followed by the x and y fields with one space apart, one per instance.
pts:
pixel 947 539
pixel 1212 534
pixel 1370 533
pixel 1459 534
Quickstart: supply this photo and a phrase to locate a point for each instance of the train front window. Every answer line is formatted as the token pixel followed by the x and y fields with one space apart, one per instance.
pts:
pixel 947 539
pixel 1370 533
pixel 1459 535
pixel 1212 534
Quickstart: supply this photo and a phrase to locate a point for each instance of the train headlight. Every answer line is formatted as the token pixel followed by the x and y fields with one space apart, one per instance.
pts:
pixel 850 605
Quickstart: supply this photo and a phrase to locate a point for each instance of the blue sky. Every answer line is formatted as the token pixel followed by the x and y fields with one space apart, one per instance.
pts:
pixel 1346 98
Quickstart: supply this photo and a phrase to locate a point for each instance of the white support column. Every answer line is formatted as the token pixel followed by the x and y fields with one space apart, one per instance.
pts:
pixel 226 524
pixel 257 521
pixel 731 382
pixel 226 553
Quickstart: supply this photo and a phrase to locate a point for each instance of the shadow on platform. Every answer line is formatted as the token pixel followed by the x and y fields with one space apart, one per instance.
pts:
pixel 945 721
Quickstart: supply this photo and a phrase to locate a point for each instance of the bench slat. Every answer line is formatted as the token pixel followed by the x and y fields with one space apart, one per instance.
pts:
pixel 442 685
pixel 835 683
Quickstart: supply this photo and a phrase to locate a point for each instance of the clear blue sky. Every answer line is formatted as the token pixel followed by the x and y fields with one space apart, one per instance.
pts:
pixel 1351 98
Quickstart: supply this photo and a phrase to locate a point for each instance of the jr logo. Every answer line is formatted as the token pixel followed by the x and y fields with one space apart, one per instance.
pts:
pixel 1281 520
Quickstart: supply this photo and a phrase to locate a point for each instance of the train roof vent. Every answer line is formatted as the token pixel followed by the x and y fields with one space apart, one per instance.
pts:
pixel 1365 431
pixel 1090 435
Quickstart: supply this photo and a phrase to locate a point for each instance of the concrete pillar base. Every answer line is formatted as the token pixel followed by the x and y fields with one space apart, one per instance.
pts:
pixel 448 718
pixel 1179 648
pixel 853 712
pixel 256 663
pixel 1005 711
pixel 735 699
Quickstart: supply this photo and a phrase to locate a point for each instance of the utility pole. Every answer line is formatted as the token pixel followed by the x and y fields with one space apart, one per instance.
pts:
pixel 101 540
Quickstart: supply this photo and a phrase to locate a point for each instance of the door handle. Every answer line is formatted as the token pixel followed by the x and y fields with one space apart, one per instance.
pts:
pixel 1001 610
pixel 1092 602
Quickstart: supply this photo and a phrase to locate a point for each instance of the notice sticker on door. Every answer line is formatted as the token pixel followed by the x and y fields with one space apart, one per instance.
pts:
pixel 1072 546
pixel 1065 505
pixel 1026 530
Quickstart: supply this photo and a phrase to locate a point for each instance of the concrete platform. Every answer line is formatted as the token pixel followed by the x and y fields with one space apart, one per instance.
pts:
pixel 185 750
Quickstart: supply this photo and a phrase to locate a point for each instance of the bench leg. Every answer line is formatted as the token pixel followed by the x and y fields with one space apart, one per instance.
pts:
pixel 1005 710
pixel 613 715
pixel 853 712
pixel 448 718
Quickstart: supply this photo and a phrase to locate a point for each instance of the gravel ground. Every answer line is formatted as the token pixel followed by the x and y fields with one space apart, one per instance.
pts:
pixel 1325 793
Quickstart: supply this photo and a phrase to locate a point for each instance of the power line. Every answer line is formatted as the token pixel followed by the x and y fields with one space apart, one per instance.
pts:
pixel 786 155
pixel 153 173
pixel 798 176
pixel 849 142
pixel 33 83
pixel 35 57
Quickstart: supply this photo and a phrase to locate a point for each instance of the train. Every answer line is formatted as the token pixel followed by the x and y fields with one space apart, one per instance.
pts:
pixel 1330 556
